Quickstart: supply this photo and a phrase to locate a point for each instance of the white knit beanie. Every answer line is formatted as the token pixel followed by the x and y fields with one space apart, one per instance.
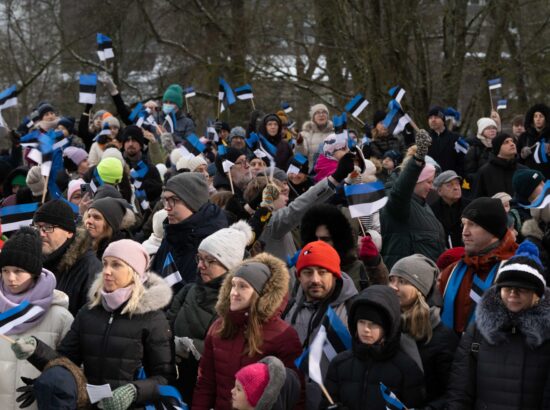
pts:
pixel 227 245
pixel 35 180
pixel 190 163
pixel 113 152
pixel 317 107
pixel 483 123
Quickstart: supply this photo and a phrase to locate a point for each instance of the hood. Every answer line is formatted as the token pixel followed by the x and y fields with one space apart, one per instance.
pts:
pixel 495 321
pixel 60 299
pixel 345 290
pixel 277 377
pixel 531 228
pixel 543 109
pixel 271 117
pixel 82 243
pixel 157 293
pixel 275 292
pixel 310 126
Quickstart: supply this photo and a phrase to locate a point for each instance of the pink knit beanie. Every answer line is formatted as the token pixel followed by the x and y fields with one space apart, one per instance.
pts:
pixel 132 253
pixel 254 379
pixel 427 172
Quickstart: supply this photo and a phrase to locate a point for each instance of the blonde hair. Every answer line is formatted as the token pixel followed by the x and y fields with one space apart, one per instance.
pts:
pixel 416 319
pixel 134 301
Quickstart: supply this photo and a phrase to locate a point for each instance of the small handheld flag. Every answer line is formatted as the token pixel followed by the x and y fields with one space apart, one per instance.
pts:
pixel 170 271
pixel 244 92
pixel 286 107
pixel 189 92
pixel 193 144
pixel 461 146
pixel 14 217
pixel 17 315
pixel 392 402
pixel 229 96
pixel 296 163
pixel 539 153
pixel 541 201
pixel 397 93
pixel 396 120
pixel 356 105
pixel 365 199
pixel 495 83
pixel 8 97
pixel 502 104
pixel 340 124
pixel 104 47
pixel 226 164
pixel 88 85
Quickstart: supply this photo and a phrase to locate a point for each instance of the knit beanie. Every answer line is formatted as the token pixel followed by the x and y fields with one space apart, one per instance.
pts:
pixel 110 170
pixel 68 123
pixel 23 250
pixel 524 270
pixel 319 253
pixel 228 244
pixel 498 141
pixel 317 107
pixel 427 172
pixel 174 94
pixel 98 114
pixel 175 155
pixel 107 191
pixel 44 108
pixel 488 213
pixel 191 163
pixel 134 132
pixel 255 273
pixel 483 123
pixel 254 378
pixel 112 209
pixel 393 155
pixel 418 270
pixel 437 111
pixel 75 154
pixel 374 314
pixel 113 152
pixel 35 180
pixel 112 121
pixel 56 212
pixel 236 132
pixel 334 142
pixel 74 186
pixel 132 253
pixel 191 188
pixel 524 182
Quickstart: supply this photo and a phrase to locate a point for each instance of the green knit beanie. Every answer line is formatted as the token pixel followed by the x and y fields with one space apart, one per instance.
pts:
pixel 110 170
pixel 174 93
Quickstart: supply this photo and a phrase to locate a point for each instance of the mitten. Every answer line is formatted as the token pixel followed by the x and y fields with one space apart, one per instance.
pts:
pixel 24 347
pixel 367 249
pixel 423 142
pixel 346 165
pixel 122 399
pixel 107 81
pixel 269 194
pixel 184 345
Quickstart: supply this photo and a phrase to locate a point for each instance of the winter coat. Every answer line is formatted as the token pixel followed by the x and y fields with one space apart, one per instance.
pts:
pixel 50 330
pixel 184 127
pixel 496 176
pixel 477 156
pixel 380 144
pixel 183 239
pixel 284 151
pixel 531 136
pixel 113 347
pixel 324 167
pixel 277 233
pixel 75 267
pixel 191 314
pixel 450 217
pixel 480 265
pixel 511 369
pixel 222 358
pixel 313 137
pixel 283 390
pixel 444 153
pixel 354 376
pixel 408 223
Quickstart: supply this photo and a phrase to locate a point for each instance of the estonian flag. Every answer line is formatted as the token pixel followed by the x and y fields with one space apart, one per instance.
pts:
pixel 502 104
pixel 357 105
pixel 244 92
pixel 228 92
pixel 461 146
pixel 96 181
pixel 539 154
pixel 138 173
pixel 15 216
pixel 332 338
pixel 17 315
pixel 296 163
pixel 211 133
pixel 365 199
pixel 170 271
pixel 88 85
pixel 340 123
pixel 8 97
pixel 193 144
pixel 286 107
pixel 104 47
pixel 396 120
pixel 189 92
pixel 135 114
pixel 392 402
pixel 494 83
pixel 222 150
pixel 397 93
pixel 47 147
pixel 542 200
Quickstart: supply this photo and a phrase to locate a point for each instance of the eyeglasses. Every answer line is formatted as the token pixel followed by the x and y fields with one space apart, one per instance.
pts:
pixel 44 228
pixel 206 261
pixel 170 201
pixel 242 163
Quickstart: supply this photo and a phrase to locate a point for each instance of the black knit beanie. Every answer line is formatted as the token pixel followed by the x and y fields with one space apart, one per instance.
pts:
pixel 113 210
pixel 372 313
pixel 134 132
pixel 56 212
pixel 488 213
pixel 23 250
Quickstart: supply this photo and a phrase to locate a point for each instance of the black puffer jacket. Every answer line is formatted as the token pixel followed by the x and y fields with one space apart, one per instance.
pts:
pixel 354 376
pixel 512 368
pixel 112 347
pixel 444 153
pixel 531 136
pixel 477 156
pixel 496 176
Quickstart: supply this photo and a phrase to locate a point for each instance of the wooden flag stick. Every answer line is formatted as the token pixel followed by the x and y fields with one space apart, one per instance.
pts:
pixel 47 178
pixel 186 105
pixel 230 181
pixel 7 338
pixel 358 120
pixel 326 393
pixel 491 99
pixel 362 227
pixel 219 103
pixel 253 105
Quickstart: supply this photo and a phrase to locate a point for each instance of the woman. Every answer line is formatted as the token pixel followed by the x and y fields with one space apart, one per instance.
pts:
pixel 314 132
pixel 24 279
pixel 537 129
pixel 104 222
pixel 272 129
pixel 121 334
pixel 193 308
pixel 481 151
pixel 503 360
pixel 354 376
pixel 413 279
pixel 249 328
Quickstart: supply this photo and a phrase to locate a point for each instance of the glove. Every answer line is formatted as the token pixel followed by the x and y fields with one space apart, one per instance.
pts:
pixel 122 399
pixel 525 152
pixel 355 177
pixel 269 194
pixel 107 81
pixel 27 397
pixel 345 166
pixel 367 249
pixel 184 345
pixel 300 139
pixel 24 347
pixel 423 142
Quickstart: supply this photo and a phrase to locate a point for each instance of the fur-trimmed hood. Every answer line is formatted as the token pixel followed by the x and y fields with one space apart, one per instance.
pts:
pixel 81 244
pixel 495 322
pixel 157 293
pixel 277 376
pixel 275 291
pixel 530 115
pixel 310 126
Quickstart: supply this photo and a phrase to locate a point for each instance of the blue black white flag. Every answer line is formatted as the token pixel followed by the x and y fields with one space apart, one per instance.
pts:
pixel 189 92
pixel 88 85
pixel 194 145
pixel 397 93
pixel 170 271
pixel 494 83
pixel 104 47
pixel 286 107
pixel 8 97
pixel 392 402
pixel 365 199
pixel 542 200
pixel 396 120
pixel 502 104
pixel 461 146
pixel 539 152
pixel 340 123
pixel 356 105
pixel 244 92
pixel 228 92
pixel 14 217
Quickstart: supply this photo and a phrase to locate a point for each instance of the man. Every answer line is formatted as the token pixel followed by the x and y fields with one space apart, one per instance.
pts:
pixel 443 149
pixel 240 172
pixel 487 242
pixel 191 218
pixel 449 206
pixel 67 251
pixel 496 175
pixel 172 103
pixel 236 138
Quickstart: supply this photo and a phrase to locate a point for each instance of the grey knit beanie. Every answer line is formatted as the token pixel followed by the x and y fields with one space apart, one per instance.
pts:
pixel 419 270
pixel 255 273
pixel 191 188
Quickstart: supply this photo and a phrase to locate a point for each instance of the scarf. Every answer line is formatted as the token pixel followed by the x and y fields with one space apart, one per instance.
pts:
pixel 40 294
pixel 111 301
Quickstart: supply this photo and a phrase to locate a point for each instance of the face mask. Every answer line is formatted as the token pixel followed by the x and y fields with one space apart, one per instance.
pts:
pixel 167 108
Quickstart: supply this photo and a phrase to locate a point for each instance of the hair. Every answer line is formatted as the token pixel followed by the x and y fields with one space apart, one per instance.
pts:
pixel 106 235
pixel 416 319
pixel 135 297
pixel 518 120
pixel 252 333
pixel 221 198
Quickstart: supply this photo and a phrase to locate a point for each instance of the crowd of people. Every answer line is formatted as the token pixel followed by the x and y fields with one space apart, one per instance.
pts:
pixel 158 256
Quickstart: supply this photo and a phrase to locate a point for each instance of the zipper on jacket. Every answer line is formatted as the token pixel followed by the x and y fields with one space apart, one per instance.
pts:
pixel 104 344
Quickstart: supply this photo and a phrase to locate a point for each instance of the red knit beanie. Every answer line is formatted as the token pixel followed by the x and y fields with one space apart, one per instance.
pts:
pixel 320 254
pixel 254 378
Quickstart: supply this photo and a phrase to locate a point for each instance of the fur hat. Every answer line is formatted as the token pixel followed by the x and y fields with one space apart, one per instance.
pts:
pixel 488 213
pixel 320 254
pixel 23 250
pixel 317 107
pixel 227 245
pixel 132 253
pixel 418 270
